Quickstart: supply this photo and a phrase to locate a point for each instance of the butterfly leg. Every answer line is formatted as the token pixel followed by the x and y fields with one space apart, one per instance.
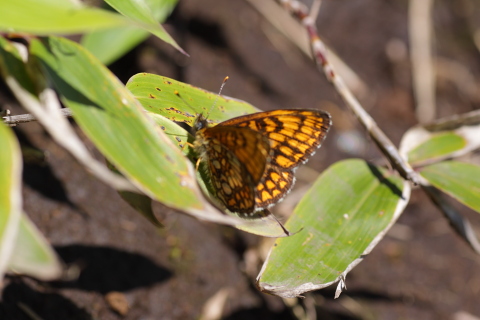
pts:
pixel 197 164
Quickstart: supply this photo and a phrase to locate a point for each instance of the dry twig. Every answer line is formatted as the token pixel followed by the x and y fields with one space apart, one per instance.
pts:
pixel 12 121
pixel 300 11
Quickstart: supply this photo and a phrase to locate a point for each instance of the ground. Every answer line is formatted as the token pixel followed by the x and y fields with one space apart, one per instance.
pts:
pixel 420 270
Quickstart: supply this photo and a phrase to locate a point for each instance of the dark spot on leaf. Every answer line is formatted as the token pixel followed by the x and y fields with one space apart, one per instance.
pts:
pixel 158 89
pixel 151 96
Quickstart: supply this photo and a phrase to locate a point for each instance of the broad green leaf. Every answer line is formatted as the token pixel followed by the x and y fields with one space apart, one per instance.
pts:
pixel 182 102
pixel 140 11
pixel 109 45
pixel 10 194
pixel 111 117
pixel 459 180
pixel 445 138
pixel 33 255
pixel 342 217
pixel 44 17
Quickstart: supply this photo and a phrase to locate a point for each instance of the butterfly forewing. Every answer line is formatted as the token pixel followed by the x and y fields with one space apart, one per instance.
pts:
pixel 294 134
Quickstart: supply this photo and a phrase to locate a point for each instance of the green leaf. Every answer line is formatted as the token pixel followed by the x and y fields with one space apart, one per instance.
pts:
pixel 457 179
pixel 10 194
pixel 445 138
pixel 44 17
pixel 109 45
pixel 342 217
pixel 174 132
pixel 158 95
pixel 33 255
pixel 140 11
pixel 111 117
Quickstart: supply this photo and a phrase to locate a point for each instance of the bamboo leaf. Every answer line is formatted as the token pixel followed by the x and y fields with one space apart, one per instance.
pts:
pixel 43 17
pixel 445 138
pixel 141 11
pixel 457 179
pixel 344 215
pixel 33 255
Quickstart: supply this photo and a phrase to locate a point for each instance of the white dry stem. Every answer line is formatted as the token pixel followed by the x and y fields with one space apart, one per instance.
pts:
pixel 423 72
pixel 47 112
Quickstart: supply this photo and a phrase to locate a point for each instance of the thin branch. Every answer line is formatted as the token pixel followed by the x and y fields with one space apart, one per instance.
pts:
pixel 295 32
pixel 12 121
pixel 300 11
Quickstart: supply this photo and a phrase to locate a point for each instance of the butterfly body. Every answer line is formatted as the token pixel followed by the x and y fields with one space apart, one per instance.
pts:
pixel 251 159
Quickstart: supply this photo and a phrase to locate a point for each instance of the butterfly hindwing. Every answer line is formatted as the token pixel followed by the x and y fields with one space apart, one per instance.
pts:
pixel 236 158
pixel 250 147
pixel 275 185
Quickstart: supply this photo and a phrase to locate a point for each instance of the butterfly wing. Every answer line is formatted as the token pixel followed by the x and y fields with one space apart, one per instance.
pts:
pixel 236 158
pixel 274 186
pixel 294 135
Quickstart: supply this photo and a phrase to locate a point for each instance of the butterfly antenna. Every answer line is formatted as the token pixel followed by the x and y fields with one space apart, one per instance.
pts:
pixel 218 95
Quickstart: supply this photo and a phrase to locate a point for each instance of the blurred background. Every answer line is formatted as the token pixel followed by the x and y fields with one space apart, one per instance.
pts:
pixel 131 270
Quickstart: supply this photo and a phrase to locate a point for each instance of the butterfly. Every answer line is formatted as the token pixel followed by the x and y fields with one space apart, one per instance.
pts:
pixel 251 159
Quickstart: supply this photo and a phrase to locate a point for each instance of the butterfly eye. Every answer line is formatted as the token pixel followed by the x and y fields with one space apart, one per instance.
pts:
pixel 200 123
